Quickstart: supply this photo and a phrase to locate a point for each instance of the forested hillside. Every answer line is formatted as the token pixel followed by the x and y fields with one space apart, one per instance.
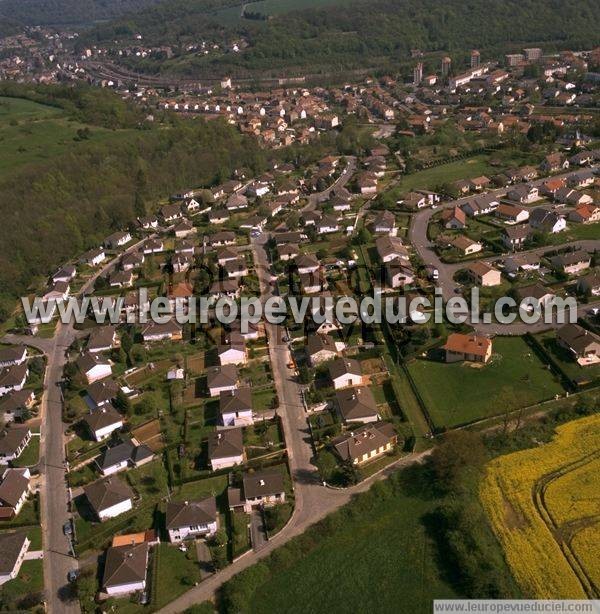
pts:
pixel 361 33
pixel 67 12
pixel 55 209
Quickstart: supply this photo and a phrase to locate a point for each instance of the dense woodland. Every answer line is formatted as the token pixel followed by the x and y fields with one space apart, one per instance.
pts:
pixel 360 33
pixel 54 210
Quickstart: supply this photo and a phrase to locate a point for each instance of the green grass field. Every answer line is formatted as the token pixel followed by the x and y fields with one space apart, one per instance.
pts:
pixel 32 132
pixel 377 559
pixel 459 393
pixel 432 178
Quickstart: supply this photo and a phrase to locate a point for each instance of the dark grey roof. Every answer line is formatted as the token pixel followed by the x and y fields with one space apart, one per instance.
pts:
pixel 356 403
pixel 225 443
pixel 106 493
pixel 236 400
pixel 125 565
pixel 12 438
pixel 124 451
pixel 226 375
pixel 352 446
pixel 191 513
pixel 11 545
pixel 12 486
pixel 263 484
pixel 102 418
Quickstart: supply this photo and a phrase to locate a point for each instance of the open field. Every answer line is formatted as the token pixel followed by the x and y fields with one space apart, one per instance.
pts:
pixel 459 393
pixel 32 132
pixel 541 505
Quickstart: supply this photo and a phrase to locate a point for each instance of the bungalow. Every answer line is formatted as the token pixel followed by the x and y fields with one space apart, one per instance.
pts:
pixel 471 347
pixel 94 257
pixel 581 179
pixel 345 372
pixel 582 343
pixel 480 206
pixel 191 519
pixel 93 366
pixel 155 331
pixel 552 186
pixel 117 239
pixel 124 455
pixel 287 251
pixel 181 263
pixel 512 214
pixel 58 292
pixel 259 489
pixel 13 546
pixel 320 348
pixel 13 378
pixel 14 405
pixel 524 194
pixel 536 291
pixel 226 288
pixel 514 237
pixel 102 422
pixel 236 202
pixel 102 339
pixel 149 222
pixel 187 248
pixel 226 254
pixel 585 214
pixel 391 248
pixel 66 274
pixel 221 379
pixel 366 443
pixel 253 331
pixel 307 263
pixel 12 355
pixel 132 261
pixel 153 246
pixel 236 268
pixel 478 184
pixel 233 352
pixel 465 245
pixel 553 163
pixel 109 497
pixel 225 448
pixel 313 282
pixel 573 197
pixel 327 224
pixel 398 274
pixel 454 219
pixel 522 262
pixel 218 216
pixel 357 404
pixel 101 393
pixel 184 228
pixel 414 200
pixel 483 274
pixel 13 441
pixel 235 407
pixel 14 490
pixel 385 222
pixel 547 221
pixel 257 189
pixel 121 279
pixel 366 183
pixel 225 237
pixel 589 284
pixel 571 263
pixel 125 569
pixel 170 213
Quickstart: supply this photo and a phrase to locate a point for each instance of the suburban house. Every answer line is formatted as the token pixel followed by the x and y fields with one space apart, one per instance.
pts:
pixel 357 404
pixel 515 237
pixel 521 262
pixel 483 274
pixel 327 224
pixel 124 455
pixel 14 490
pixel 512 214
pixel 233 352
pixel 94 257
pixel 385 222
pixel 14 404
pixel 585 214
pixel 12 355
pixel 102 339
pixel 391 248
pixel 236 268
pixel 153 246
pixel 589 284
pixel 478 184
pixel 365 443
pixel 13 441
pixel 191 519
pixel 117 239
pixel 481 205
pixel 583 344
pixel 125 569
pixel 13 548
pixel 571 263
pixel 109 497
pixel 524 194
pixel 261 488
pixel 553 163
pixel 307 264
pixel 535 291
pixel 471 347
pixel 235 407
pixel 169 331
pixel 320 348
pixel 103 421
pixel 398 274
pixel 184 228
pixel 345 372
pixel 547 221
pixel 465 245
pixel 169 213
pixel 287 251
pixel 13 378
pixel 551 186
pixel 93 366
pixel 221 379
pixel 65 274
pixel 454 219
pixel 225 448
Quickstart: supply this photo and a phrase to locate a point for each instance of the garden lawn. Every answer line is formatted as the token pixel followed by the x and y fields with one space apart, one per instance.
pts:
pixel 177 572
pixel 30 580
pixel 433 177
pixel 387 564
pixel 31 454
pixel 460 393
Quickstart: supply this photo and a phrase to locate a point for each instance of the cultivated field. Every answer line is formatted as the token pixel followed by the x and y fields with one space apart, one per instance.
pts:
pixel 459 393
pixel 544 506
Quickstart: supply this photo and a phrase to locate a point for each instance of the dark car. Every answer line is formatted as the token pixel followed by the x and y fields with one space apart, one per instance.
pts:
pixel 67 528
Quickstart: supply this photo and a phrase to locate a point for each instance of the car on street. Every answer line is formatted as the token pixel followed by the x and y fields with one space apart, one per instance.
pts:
pixel 73 575
pixel 67 528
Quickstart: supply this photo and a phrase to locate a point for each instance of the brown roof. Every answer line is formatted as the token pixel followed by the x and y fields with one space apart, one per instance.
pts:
pixel 102 418
pixel 263 483
pixel 125 565
pixel 226 375
pixel 352 446
pixel 356 403
pixel 225 443
pixel 192 513
pixel 11 545
pixel 106 493
pixel 344 366
pixel 13 485
pixel 468 344
pixel 12 438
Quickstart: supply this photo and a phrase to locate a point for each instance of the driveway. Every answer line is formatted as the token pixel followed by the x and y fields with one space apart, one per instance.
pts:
pixel 258 530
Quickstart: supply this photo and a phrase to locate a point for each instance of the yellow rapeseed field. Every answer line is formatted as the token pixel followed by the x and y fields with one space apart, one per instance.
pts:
pixel 513 494
pixel 586 546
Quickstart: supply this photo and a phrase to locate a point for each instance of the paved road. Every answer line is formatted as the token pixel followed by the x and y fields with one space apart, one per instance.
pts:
pixel 312 501
pixel 318 197
pixel 417 235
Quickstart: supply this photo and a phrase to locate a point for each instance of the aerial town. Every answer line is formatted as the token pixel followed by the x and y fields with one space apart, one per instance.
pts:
pixel 144 464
